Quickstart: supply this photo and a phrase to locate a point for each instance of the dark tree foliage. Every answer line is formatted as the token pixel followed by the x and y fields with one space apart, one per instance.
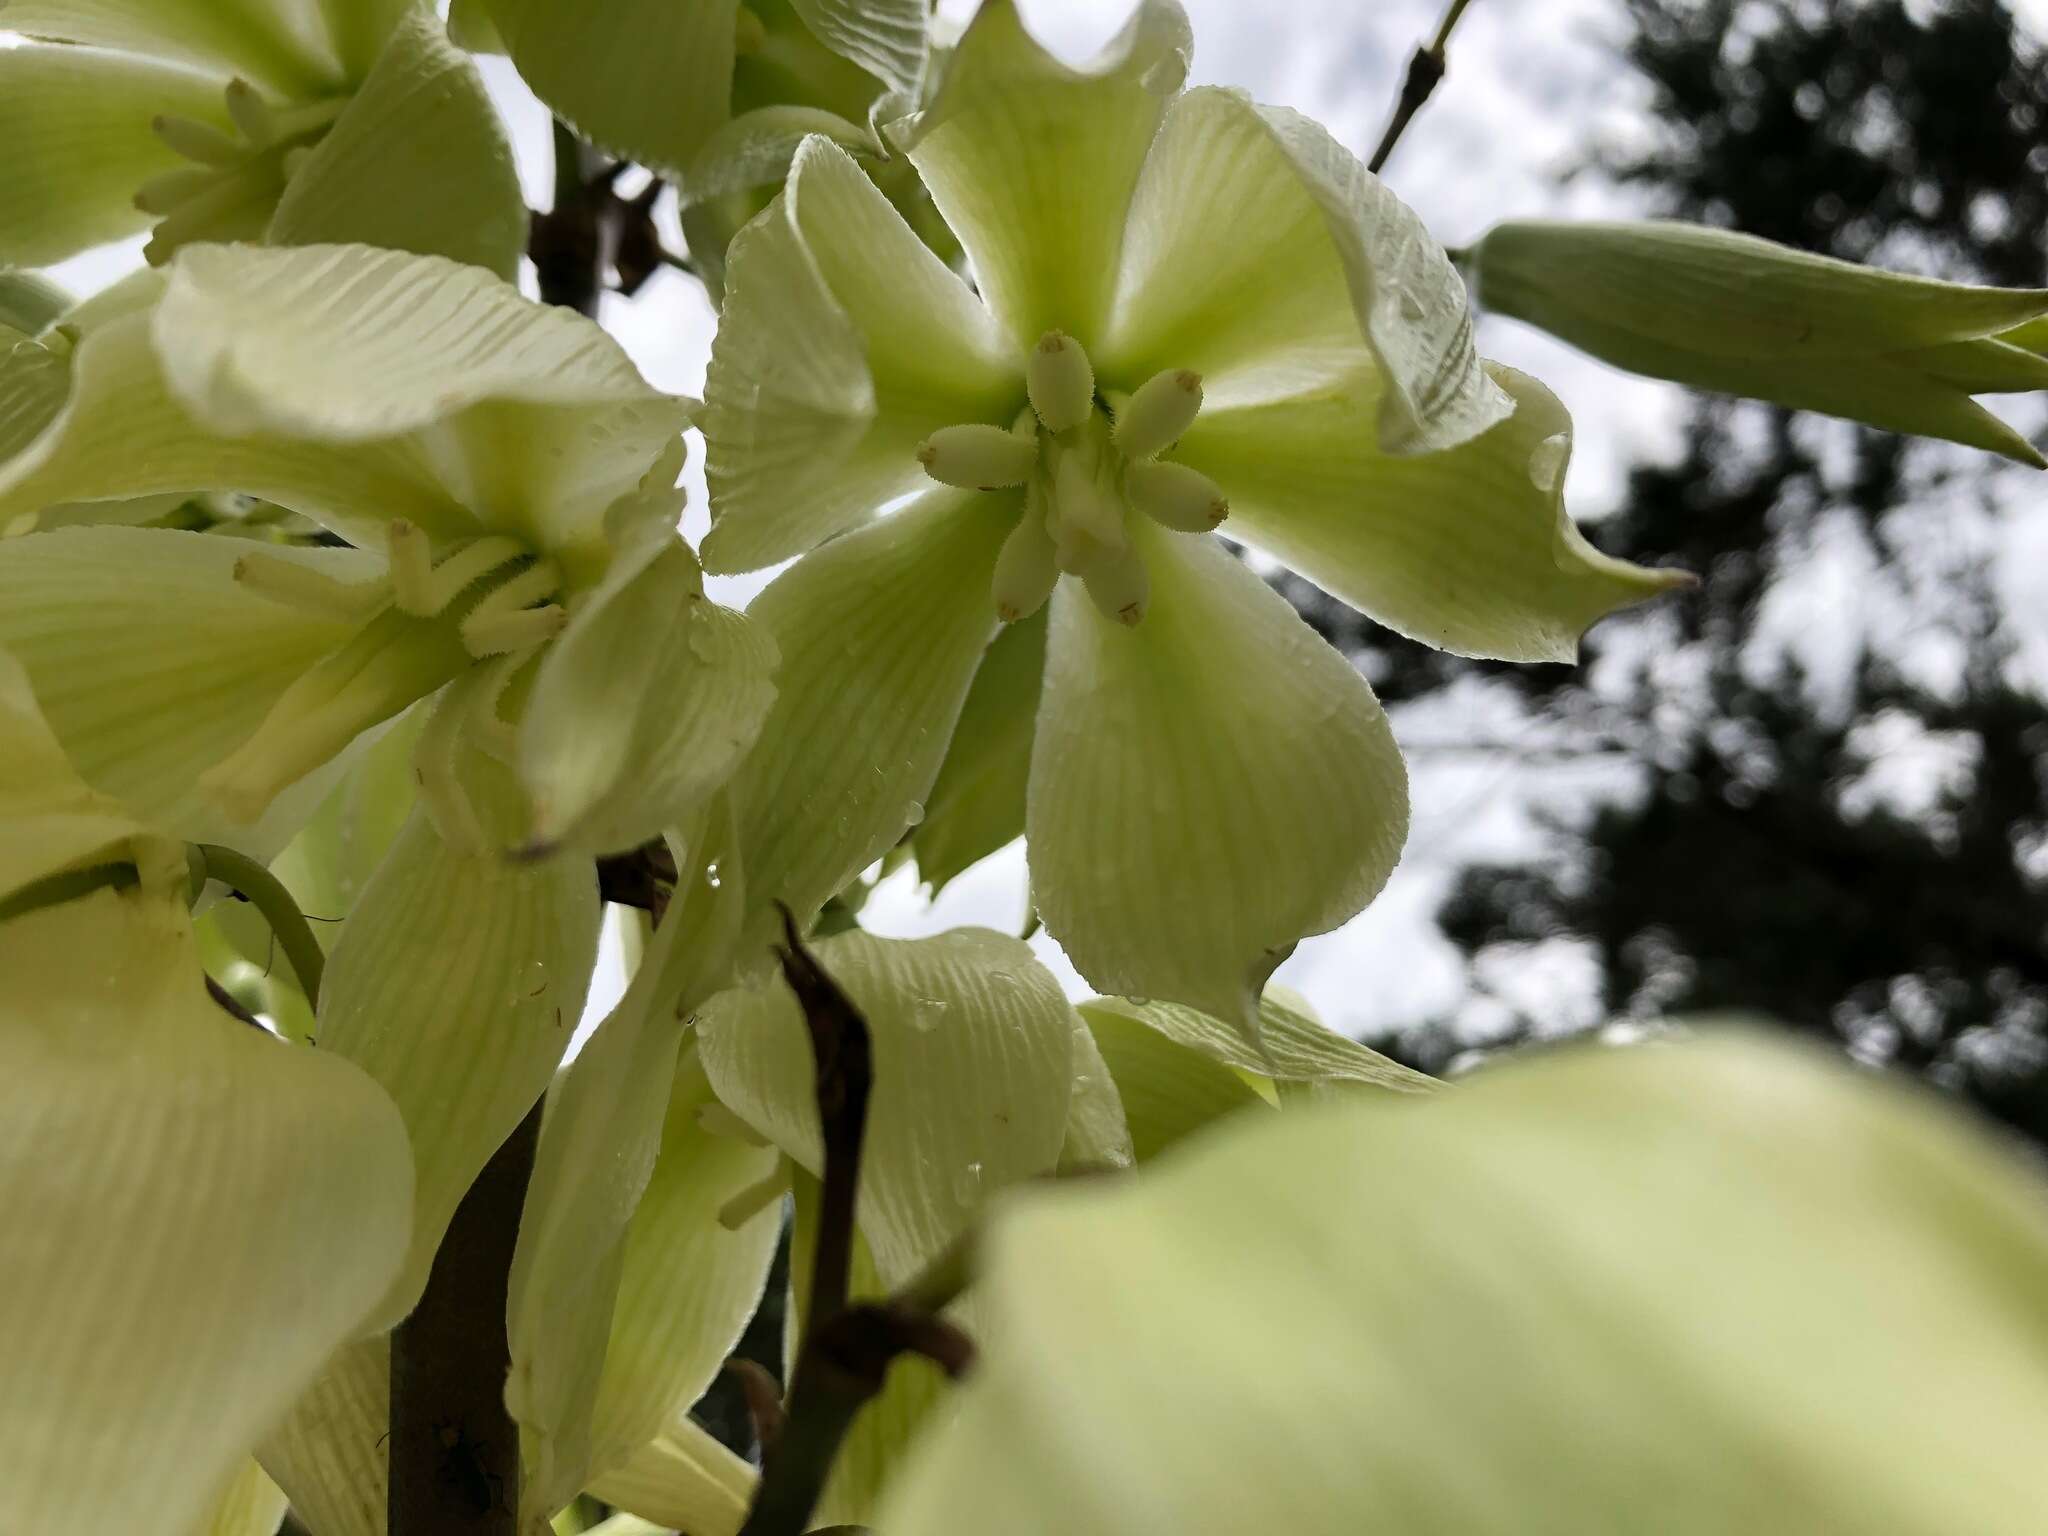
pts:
pixel 1751 873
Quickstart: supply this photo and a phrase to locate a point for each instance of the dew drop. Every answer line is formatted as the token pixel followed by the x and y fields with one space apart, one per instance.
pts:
pixel 967 1184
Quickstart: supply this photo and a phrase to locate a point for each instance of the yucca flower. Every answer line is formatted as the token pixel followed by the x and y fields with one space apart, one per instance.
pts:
pixel 293 120
pixel 1189 312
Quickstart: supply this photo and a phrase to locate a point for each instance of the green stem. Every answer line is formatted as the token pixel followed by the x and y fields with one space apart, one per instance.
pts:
pixel 1425 71
pixel 266 893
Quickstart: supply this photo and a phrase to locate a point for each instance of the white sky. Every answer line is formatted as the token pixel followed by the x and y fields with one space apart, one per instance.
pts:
pixel 1531 82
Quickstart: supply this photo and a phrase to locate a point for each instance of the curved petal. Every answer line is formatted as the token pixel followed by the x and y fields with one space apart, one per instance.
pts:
pixel 327 1453
pixel 456 983
pixel 973 1056
pixel 282 44
pixel 884 37
pixel 30 303
pixel 880 633
pixel 76 125
pixel 152 663
pixel 1263 257
pixel 651 83
pixel 843 343
pixel 1033 163
pixel 641 706
pixel 123 434
pixel 1469 550
pixel 689 1284
pixel 1293 1046
pixel 1098 1131
pixel 1731 1283
pixel 1207 787
pixel 976 804
pixel 757 148
pixel 248 1504
pixel 417 161
pixel 35 380
pixel 1169 1092
pixel 683 1480
pixel 199 1214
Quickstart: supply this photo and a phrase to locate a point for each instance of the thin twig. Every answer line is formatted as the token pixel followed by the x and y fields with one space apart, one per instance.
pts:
pixel 1425 72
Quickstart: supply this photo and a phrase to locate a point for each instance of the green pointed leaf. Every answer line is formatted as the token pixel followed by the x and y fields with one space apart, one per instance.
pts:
pixel 599 1145
pixel 844 343
pixel 642 705
pixel 1293 1045
pixel 280 44
pixel 76 125
pixel 884 37
pixel 879 634
pixel 683 1480
pixel 171 1319
pixel 152 664
pixel 977 802
pixel 1033 163
pixel 1735 1283
pixel 973 1055
pixel 417 162
pixel 249 1504
pixel 1497 569
pixel 1169 1092
pixel 688 1285
pixel 328 1453
pixel 651 84
pixel 456 984
pixel 1166 867
pixel 124 434
pixel 1263 256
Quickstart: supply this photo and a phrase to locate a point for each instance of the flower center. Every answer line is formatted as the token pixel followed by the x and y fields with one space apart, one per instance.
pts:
pixel 416 629
pixel 235 178
pixel 1086 465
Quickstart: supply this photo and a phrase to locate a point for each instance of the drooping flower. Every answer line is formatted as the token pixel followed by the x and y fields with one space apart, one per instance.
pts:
pixel 506 479
pixel 1724 311
pixel 296 121
pixel 126 1295
pixel 1189 309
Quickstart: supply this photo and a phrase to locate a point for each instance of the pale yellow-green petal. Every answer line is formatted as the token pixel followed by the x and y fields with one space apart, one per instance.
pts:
pixel 1098 1129
pixel 198 1214
pixel 1469 550
pixel 689 1284
pixel 34 382
pixel 1293 1045
pixel 456 983
pixel 843 344
pixel 651 83
pixel 543 420
pixel 1169 1092
pixel 683 1480
pixel 757 148
pixel 599 1144
pixel 280 44
pixel 879 634
pixel 641 706
pixel 1033 162
pixel 976 804
pixel 1263 256
pixel 973 1070
pixel 248 1504
pixel 76 125
pixel 122 434
pixel 1208 787
pixel 418 161
pixel 29 301
pixel 887 38
pixel 152 664
pixel 1722 1286
pixel 328 1453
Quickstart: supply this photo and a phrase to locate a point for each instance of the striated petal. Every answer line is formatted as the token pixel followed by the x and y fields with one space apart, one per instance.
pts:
pixel 976 804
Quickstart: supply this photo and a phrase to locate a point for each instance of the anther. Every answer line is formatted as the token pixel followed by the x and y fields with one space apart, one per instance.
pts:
pixel 1060 381
pixel 1176 497
pixel 1027 569
pixel 303 587
pixel 1158 412
pixel 977 457
pixel 1119 585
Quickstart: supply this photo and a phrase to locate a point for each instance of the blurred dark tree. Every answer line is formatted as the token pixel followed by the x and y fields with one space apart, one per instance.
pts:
pixel 1754 870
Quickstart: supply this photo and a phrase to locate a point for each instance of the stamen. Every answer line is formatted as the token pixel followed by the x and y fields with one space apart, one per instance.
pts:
pixel 463 569
pixel 503 621
pixel 754 1199
pixel 1119 585
pixel 251 113
pixel 1160 410
pixel 976 457
pixel 1027 568
pixel 412 567
pixel 208 213
pixel 198 141
pixel 301 586
pixel 170 190
pixel 1176 497
pixel 1060 381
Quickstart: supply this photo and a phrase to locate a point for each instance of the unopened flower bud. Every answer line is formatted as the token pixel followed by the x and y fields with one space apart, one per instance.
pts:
pixel 1027 569
pixel 1162 408
pixel 977 457
pixel 1176 497
pixel 1061 381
